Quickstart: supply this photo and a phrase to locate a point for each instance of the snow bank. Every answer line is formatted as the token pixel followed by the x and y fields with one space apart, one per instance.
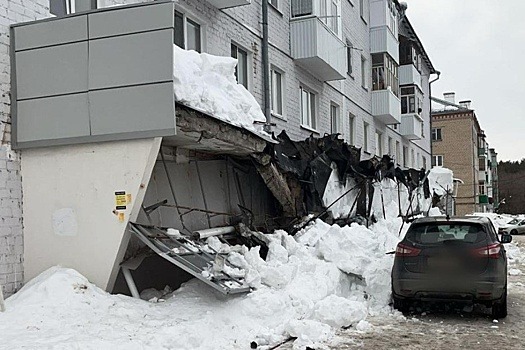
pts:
pixel 325 277
pixel 440 179
pixel 207 83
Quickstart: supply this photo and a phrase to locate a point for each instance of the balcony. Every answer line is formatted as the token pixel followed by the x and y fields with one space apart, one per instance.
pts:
pixel 482 152
pixel 224 4
pixel 411 126
pixel 317 49
pixel 382 40
pixel 386 107
pixel 483 199
pixel 408 75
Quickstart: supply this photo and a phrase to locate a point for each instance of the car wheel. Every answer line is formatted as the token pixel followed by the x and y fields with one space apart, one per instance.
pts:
pixel 400 304
pixel 513 232
pixel 499 308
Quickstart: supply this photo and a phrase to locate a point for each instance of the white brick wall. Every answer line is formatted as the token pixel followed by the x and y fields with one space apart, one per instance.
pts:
pixel 11 240
pixel 220 28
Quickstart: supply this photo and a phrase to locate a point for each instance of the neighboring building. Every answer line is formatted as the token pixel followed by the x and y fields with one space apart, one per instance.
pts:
pixel 367 78
pixel 459 143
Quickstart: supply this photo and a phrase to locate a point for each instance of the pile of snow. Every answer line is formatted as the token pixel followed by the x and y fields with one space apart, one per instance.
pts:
pixel 323 278
pixel 498 220
pixel 207 83
pixel 440 180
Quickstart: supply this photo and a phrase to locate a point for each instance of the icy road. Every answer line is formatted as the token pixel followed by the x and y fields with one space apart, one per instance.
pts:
pixel 439 329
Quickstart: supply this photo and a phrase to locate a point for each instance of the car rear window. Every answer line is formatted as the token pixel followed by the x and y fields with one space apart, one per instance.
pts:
pixel 437 233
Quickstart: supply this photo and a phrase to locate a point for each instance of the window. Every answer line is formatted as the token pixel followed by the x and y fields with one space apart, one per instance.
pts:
pixel 187 33
pixel 482 165
pixel 349 49
pixel 413 159
pixel 334 118
pixel 418 160
pixel 379 144
pixel 411 100
pixel 422 128
pixel 365 136
pixel 398 153
pixel 424 162
pixel 351 128
pixel 481 187
pixel 274 3
pixel 384 73
pixel 390 146
pixel 276 85
pixel 436 134
pixel 437 160
pixel 363 71
pixel 329 14
pixel 362 8
pixel 408 53
pixel 392 18
pixel 241 71
pixel 302 8
pixel 405 156
pixel 308 108
pixel 64 7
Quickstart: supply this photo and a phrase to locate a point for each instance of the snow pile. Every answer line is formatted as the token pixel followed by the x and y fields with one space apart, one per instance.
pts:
pixel 498 220
pixel 325 277
pixel 440 179
pixel 207 83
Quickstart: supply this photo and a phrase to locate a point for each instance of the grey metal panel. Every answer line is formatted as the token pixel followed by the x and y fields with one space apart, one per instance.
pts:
pixel 53 118
pixel 132 109
pixel 131 20
pixel 52 70
pixel 131 59
pixel 60 31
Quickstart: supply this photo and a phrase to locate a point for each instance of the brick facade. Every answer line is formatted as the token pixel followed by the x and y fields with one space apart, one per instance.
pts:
pixel 458 146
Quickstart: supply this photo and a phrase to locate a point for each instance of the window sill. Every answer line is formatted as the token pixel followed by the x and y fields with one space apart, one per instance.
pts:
pixel 367 153
pixel 351 76
pixel 364 88
pixel 351 3
pixel 364 20
pixel 280 117
pixel 309 128
pixel 276 9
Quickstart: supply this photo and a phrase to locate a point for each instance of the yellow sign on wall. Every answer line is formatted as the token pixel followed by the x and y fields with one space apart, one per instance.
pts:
pixel 121 200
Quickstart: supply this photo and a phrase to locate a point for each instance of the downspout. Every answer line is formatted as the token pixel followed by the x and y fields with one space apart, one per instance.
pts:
pixel 430 113
pixel 266 67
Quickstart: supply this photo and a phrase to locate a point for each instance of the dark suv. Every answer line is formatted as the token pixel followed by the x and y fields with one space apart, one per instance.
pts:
pixel 451 259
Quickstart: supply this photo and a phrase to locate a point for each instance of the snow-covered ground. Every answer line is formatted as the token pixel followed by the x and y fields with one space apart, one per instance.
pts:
pixel 309 285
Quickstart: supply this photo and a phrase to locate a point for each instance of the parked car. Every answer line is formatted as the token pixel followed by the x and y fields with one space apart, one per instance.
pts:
pixel 460 259
pixel 514 227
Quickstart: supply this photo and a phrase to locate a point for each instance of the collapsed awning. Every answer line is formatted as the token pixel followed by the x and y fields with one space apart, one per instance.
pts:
pixel 192 256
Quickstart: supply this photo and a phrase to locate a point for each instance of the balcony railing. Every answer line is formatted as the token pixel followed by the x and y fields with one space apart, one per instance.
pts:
pixel 223 4
pixel 382 40
pixel 386 106
pixel 409 75
pixel 316 48
pixel 411 126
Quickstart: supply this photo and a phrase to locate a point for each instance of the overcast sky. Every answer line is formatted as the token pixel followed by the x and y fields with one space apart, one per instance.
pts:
pixel 478 46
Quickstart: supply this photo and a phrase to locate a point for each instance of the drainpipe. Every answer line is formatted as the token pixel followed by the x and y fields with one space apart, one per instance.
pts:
pixel 438 73
pixel 266 67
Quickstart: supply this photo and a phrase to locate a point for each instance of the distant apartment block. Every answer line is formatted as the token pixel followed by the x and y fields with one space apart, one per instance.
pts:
pixel 459 143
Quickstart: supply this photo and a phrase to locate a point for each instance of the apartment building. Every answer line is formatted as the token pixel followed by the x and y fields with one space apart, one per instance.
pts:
pixel 353 67
pixel 459 143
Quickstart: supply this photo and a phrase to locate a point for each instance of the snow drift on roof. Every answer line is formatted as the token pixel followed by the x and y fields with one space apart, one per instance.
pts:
pixel 207 83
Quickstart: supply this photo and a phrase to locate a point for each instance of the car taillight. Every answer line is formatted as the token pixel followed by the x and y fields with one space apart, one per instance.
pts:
pixel 490 251
pixel 404 250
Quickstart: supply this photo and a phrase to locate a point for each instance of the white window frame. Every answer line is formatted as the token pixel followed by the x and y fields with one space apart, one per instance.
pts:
pixel 379 143
pixel 191 18
pixel 273 72
pixel 390 146
pixel 364 81
pixel 335 118
pixel 435 132
pixel 308 119
pixel 351 128
pixel 437 160
pixel 398 152
pixel 70 5
pixel 248 64
pixel 366 131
